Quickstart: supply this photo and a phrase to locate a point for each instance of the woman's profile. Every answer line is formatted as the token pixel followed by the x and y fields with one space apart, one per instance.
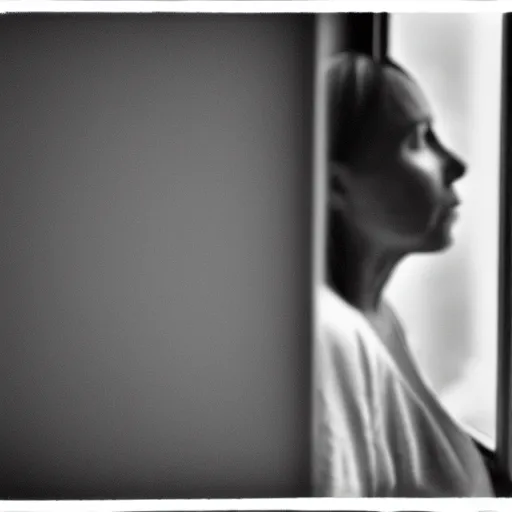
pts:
pixel 378 429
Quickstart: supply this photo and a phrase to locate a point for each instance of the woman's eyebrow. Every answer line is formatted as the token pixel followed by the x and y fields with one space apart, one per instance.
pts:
pixel 413 125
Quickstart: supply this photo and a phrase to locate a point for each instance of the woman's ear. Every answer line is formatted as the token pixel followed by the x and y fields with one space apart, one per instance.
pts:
pixel 338 186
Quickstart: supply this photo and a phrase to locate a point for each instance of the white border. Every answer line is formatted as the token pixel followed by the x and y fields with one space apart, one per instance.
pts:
pixel 257 6
pixel 297 504
pixel 271 6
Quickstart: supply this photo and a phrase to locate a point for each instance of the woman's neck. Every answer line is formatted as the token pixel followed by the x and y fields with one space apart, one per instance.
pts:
pixel 357 269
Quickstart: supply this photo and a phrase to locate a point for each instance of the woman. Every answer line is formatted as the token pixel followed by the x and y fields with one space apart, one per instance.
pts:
pixel 378 430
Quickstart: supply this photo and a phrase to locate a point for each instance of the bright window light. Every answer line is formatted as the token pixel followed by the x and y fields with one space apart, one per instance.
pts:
pixel 449 301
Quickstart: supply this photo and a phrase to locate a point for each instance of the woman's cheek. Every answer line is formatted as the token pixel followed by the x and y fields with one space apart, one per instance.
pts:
pixel 405 199
pixel 413 203
pixel 399 209
pixel 425 172
pixel 425 166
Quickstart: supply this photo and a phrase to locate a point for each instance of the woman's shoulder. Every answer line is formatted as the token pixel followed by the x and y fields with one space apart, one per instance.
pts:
pixel 334 316
pixel 345 343
pixel 342 327
pixel 392 313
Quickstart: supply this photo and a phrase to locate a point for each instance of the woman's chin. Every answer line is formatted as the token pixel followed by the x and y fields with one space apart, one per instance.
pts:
pixel 438 241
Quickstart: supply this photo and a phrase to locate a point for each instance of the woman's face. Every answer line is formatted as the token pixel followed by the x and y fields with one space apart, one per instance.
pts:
pixel 398 189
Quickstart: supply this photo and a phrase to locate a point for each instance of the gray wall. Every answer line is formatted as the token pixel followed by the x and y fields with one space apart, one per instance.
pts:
pixel 155 187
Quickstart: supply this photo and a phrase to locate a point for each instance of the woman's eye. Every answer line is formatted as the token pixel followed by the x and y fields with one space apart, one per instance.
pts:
pixel 413 140
pixel 418 137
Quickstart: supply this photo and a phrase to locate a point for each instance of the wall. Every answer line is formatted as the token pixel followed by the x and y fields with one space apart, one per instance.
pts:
pixel 155 271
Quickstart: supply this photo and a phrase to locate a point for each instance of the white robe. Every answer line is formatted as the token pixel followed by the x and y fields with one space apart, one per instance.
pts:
pixel 373 434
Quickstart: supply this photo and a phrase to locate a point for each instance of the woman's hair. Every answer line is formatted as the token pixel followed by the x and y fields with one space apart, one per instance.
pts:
pixel 355 87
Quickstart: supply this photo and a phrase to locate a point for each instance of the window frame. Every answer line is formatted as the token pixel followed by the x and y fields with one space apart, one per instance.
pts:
pixel 498 461
pixel 501 459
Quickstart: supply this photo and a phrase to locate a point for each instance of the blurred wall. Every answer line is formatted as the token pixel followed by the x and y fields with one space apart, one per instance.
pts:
pixel 155 192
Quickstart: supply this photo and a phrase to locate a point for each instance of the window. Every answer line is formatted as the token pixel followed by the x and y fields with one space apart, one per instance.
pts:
pixel 450 303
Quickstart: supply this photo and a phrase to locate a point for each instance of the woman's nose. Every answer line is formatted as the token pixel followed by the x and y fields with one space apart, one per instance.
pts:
pixel 455 168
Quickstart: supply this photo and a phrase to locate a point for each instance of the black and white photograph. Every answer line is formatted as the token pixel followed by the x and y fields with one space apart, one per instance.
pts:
pixel 255 255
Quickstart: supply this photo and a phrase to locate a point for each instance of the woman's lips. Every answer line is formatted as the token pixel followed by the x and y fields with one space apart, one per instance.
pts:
pixel 450 215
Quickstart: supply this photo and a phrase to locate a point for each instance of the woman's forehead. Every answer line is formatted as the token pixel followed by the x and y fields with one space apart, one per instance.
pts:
pixel 403 102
